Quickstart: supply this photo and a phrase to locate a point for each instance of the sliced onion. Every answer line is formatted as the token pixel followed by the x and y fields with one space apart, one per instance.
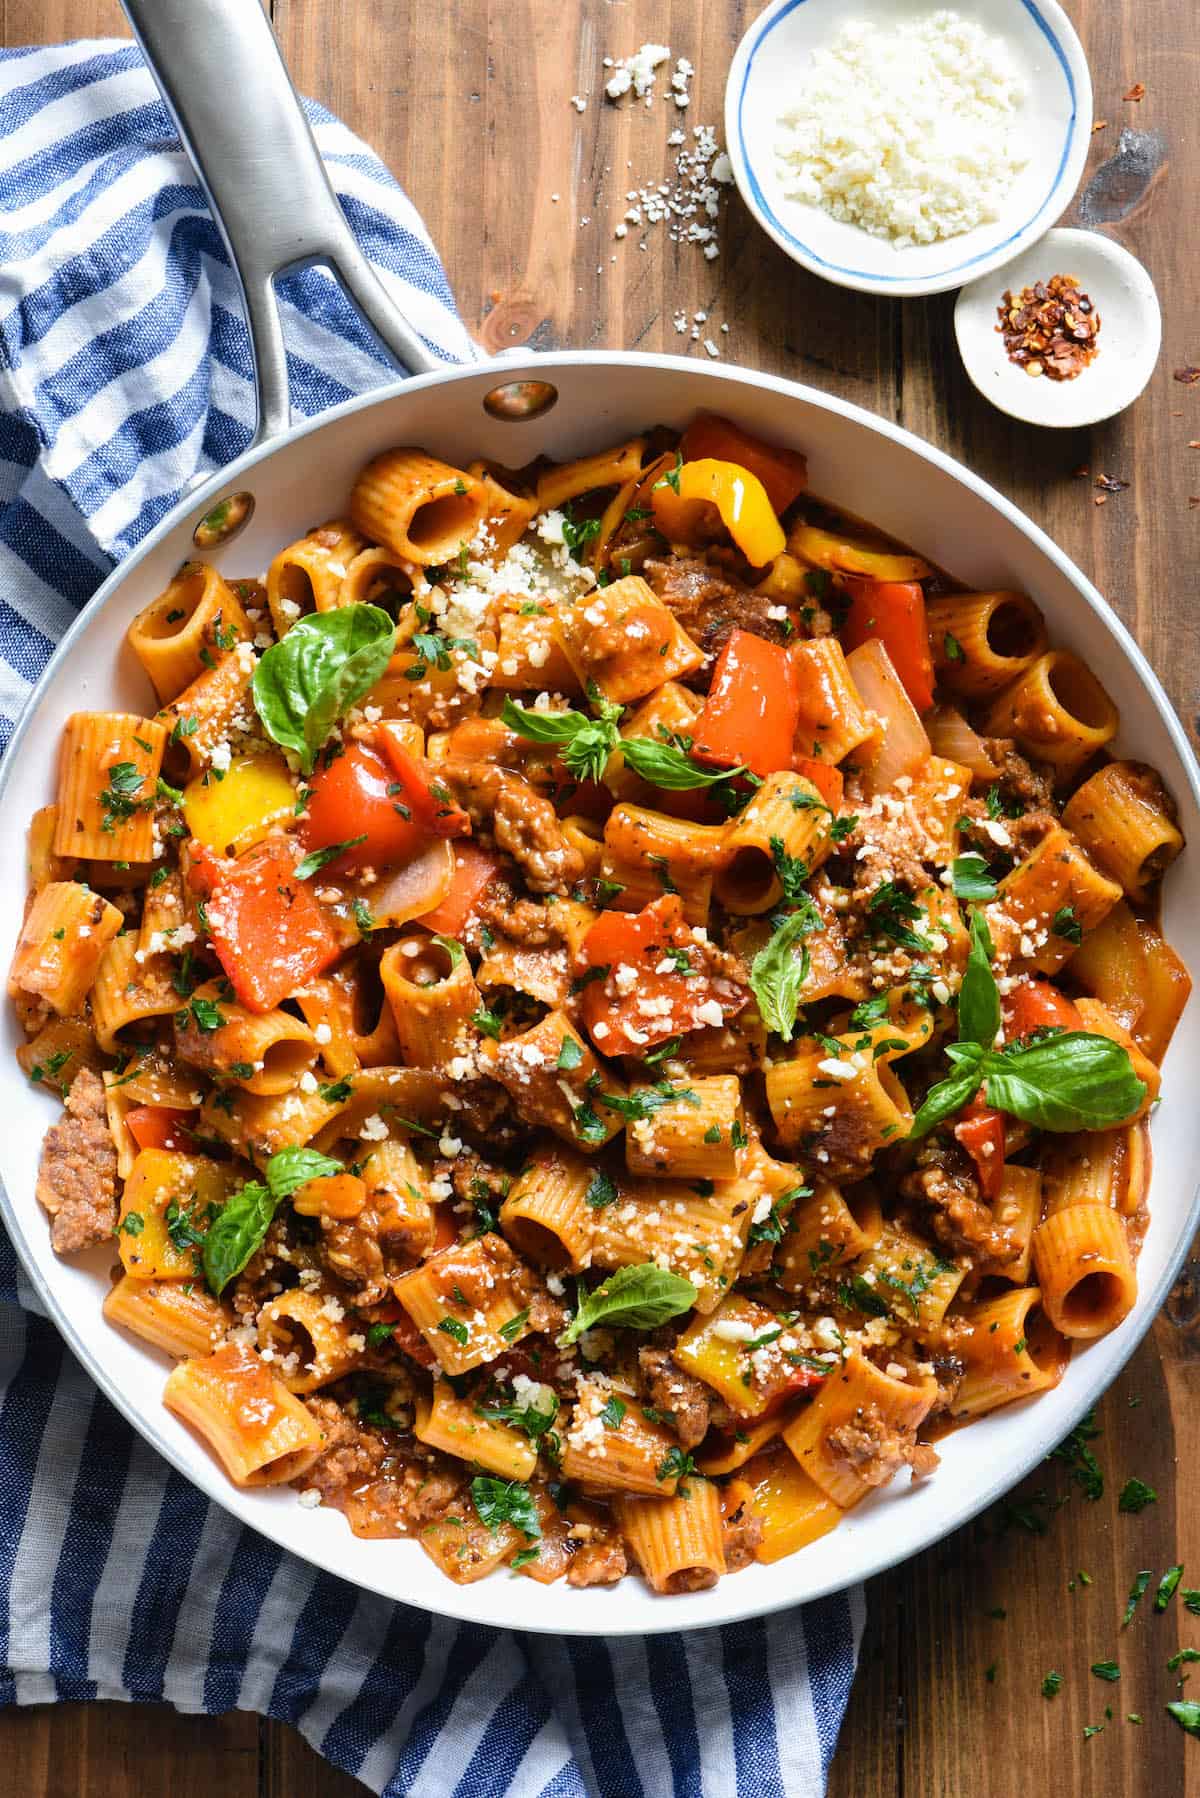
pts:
pixel 416 888
pixel 902 746
pixel 952 737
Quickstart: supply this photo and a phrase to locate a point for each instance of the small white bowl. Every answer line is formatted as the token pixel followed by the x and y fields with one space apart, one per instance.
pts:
pixel 1126 347
pixel 1054 124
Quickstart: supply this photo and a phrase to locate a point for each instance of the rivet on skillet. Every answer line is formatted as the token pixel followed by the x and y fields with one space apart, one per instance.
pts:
pixel 517 400
pixel 229 516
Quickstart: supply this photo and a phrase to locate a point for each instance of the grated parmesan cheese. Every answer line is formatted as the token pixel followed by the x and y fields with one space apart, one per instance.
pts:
pixel 928 147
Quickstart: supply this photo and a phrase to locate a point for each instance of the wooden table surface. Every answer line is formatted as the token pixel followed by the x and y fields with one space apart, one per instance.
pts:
pixel 470 105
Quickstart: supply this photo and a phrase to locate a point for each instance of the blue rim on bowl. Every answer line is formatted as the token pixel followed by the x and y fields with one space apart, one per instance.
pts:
pixel 918 273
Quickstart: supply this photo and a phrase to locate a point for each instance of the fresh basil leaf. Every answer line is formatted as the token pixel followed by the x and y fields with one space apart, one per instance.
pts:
pixel 505 1501
pixel 235 1233
pixel 1076 1081
pixel 979 996
pixel 1187 1714
pixel 290 1169
pixel 313 675
pixel 949 1095
pixel 777 974
pixel 663 765
pixel 585 743
pixel 970 877
pixel 634 1298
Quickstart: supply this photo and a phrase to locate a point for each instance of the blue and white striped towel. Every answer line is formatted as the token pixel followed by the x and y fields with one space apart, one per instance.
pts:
pixel 124 371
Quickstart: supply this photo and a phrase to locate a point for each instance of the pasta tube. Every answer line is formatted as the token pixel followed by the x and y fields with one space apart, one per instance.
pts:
pixel 983 641
pixel 858 1387
pixel 258 1429
pixel 193 623
pixel 66 932
pixel 676 1541
pixel 1125 821
pixel 108 770
pixel 419 508
pixel 1057 711
pixel 1085 1270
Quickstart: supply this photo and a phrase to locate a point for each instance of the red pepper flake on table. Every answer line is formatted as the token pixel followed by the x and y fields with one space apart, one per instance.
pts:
pixel 1050 328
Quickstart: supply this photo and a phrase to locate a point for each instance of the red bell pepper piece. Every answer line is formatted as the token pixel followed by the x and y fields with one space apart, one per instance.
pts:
pixel 269 933
pixel 424 796
pixel 980 1130
pixel 1037 1004
pixel 783 472
pixel 474 870
pixel 828 780
pixel 893 611
pixel 658 945
pixel 356 795
pixel 160 1127
pixel 753 706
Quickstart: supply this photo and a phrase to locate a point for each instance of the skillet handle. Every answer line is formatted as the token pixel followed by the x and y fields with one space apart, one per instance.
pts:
pixel 224 82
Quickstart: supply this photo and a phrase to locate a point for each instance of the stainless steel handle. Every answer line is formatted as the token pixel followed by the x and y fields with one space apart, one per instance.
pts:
pixel 224 81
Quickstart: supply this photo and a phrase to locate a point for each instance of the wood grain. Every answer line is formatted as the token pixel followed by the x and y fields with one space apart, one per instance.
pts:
pixel 469 104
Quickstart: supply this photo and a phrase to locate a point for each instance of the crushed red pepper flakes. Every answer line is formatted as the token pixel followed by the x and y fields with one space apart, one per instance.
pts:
pixel 1136 92
pixel 1099 125
pixel 1050 328
pixel 1188 375
pixel 1110 483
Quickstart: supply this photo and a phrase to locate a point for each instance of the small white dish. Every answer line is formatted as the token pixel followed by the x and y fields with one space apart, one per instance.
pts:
pixel 1126 347
pixel 1054 124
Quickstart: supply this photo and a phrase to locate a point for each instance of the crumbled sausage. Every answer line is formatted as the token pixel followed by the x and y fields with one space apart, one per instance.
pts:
pixel 598 1563
pixel 669 1388
pixel 710 602
pixel 523 822
pixel 1019 780
pixel 741 1533
pixel 395 1490
pixel 77 1178
pixel 871 1446
pixel 945 1186
pixel 352 1454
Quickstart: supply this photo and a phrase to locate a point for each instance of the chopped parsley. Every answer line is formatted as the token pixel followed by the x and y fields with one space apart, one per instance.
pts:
pixel 1166 1587
pixel 1136 1593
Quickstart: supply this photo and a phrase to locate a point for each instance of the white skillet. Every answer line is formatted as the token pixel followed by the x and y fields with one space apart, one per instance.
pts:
pixel 302 475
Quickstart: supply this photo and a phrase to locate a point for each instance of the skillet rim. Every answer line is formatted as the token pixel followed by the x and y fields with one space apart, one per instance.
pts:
pixel 510 368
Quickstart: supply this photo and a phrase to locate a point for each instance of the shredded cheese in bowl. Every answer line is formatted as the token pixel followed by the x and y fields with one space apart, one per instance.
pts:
pixel 906 130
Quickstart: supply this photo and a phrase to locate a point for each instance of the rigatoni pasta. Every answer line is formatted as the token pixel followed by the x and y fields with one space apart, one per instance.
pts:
pixel 597 1007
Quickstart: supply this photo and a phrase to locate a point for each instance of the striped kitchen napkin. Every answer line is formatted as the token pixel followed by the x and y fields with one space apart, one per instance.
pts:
pixel 124 372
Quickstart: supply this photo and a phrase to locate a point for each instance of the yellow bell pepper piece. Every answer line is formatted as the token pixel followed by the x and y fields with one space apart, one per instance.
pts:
pixel 842 553
pixel 231 814
pixel 785 579
pixel 740 498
